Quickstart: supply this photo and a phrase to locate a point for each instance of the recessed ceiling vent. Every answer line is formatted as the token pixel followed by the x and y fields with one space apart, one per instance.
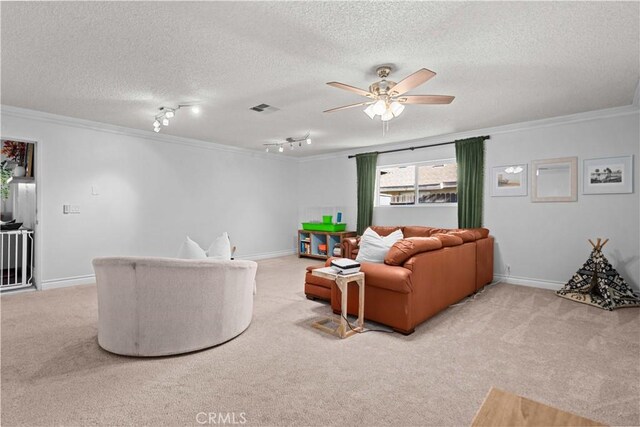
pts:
pixel 264 108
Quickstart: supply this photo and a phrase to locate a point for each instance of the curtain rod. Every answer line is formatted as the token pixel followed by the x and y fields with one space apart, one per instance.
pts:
pixel 416 148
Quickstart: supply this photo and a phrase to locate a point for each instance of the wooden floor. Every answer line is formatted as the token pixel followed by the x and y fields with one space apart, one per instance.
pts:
pixel 501 408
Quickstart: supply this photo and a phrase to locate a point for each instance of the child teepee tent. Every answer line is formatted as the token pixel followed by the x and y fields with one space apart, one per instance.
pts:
pixel 597 283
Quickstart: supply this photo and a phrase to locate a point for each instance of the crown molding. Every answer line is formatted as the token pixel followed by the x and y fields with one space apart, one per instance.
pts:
pixel 10 111
pixel 496 130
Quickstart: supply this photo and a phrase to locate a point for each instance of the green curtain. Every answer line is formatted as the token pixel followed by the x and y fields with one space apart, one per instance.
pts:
pixel 366 170
pixel 470 159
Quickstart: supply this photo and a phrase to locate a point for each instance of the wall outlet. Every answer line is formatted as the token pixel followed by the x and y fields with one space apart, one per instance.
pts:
pixel 508 269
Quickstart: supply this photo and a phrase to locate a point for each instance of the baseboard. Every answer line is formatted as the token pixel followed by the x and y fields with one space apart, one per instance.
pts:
pixel 527 281
pixel 68 281
pixel 265 255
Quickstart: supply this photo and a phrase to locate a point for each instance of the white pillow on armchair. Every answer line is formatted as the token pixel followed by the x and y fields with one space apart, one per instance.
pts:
pixel 191 250
pixel 220 248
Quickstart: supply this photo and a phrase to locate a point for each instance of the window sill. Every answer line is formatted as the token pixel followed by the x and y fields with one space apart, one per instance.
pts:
pixel 420 205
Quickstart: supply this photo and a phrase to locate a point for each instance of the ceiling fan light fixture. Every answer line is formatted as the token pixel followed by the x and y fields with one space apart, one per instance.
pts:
pixel 386 116
pixel 308 141
pixel 169 114
pixel 379 107
pixel 396 108
pixel 156 130
pixel 156 123
pixel 165 122
pixel 369 112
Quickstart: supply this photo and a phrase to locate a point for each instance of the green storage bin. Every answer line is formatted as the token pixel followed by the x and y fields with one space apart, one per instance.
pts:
pixel 318 226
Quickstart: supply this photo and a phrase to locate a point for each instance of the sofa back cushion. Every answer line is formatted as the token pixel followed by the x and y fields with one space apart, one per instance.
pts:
pixel 374 248
pixel 465 235
pixel 385 230
pixel 448 239
pixel 417 231
pixel 480 232
pixel 404 249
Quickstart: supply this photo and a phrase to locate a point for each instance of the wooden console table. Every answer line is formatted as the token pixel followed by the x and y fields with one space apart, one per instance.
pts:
pixel 342 281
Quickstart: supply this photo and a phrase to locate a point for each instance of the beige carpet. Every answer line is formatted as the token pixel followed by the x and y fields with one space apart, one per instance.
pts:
pixel 283 372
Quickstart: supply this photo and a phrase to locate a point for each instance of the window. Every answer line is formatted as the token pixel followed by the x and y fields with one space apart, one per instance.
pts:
pixel 426 183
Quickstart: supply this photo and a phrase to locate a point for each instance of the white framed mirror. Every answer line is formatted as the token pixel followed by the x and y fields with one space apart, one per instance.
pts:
pixel 555 180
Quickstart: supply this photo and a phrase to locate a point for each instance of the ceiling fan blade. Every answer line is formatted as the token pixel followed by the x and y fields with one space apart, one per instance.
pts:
pixel 347 106
pixel 414 80
pixel 351 89
pixel 425 99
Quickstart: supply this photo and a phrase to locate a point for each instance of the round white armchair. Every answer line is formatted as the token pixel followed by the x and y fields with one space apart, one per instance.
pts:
pixel 164 306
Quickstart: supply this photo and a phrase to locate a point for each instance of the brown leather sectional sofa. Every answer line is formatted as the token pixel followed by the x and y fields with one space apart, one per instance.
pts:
pixel 433 269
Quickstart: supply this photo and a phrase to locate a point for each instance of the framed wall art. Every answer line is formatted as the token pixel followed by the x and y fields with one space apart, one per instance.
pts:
pixel 509 180
pixel 608 175
pixel 555 180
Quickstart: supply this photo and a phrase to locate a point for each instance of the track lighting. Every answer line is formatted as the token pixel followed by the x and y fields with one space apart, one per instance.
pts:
pixel 162 118
pixel 291 141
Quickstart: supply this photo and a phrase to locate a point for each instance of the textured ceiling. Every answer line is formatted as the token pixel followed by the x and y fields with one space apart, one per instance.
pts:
pixel 117 62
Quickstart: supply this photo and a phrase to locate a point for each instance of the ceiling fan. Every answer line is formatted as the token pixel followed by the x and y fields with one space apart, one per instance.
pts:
pixel 387 98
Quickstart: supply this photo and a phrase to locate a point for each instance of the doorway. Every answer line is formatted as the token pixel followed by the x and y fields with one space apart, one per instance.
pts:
pixel 18 213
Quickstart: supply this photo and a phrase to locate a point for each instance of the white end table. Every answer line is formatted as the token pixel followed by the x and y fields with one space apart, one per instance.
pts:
pixel 343 330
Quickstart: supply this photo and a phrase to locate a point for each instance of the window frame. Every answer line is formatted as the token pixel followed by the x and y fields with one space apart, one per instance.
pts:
pixel 376 199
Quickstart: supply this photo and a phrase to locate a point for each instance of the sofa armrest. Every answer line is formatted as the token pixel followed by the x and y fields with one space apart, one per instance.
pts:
pixel 350 247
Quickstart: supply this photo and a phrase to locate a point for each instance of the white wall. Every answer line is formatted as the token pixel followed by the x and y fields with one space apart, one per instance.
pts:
pixel 152 192
pixel 544 243
pixel 155 189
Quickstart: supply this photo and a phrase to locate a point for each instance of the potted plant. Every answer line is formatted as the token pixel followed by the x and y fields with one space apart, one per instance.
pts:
pixel 5 174
pixel 16 152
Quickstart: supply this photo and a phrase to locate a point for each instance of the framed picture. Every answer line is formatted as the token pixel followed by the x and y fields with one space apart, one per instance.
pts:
pixel 608 175
pixel 509 180
pixel 554 180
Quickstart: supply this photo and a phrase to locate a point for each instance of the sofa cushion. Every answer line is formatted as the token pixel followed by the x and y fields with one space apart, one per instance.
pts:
pixel 383 230
pixel 220 248
pixel 465 235
pixel 480 232
pixel 404 249
pixel 191 250
pixel 373 247
pixel 448 239
pixel 384 276
pixel 417 231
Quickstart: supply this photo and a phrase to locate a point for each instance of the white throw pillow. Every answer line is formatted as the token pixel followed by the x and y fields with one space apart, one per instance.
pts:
pixel 374 248
pixel 220 248
pixel 191 250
